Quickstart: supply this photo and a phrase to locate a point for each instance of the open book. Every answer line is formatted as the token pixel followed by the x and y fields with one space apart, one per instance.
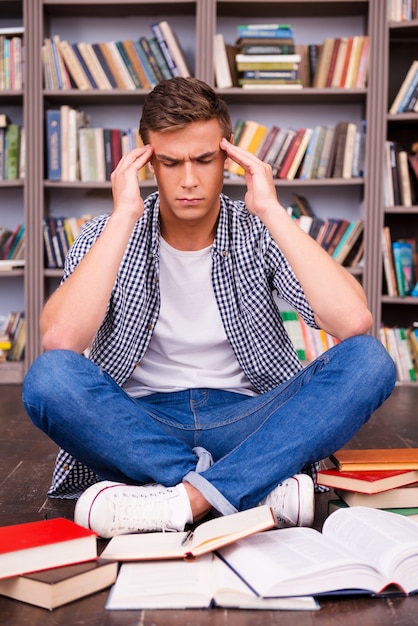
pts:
pixel 206 537
pixel 181 584
pixel 360 550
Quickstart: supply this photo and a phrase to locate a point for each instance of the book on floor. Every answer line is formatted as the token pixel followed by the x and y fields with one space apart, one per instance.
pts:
pixel 366 481
pixel 376 459
pixel 54 587
pixel 40 545
pixel 411 511
pixel 360 551
pixel 206 537
pixel 393 498
pixel 179 584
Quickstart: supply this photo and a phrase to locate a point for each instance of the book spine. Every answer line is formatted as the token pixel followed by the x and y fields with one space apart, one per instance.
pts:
pixel 53 143
pixel 165 49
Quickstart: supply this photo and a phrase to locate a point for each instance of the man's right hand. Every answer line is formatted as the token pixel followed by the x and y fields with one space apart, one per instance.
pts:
pixel 125 188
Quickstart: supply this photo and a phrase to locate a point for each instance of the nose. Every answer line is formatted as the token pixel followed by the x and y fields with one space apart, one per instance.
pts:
pixel 189 178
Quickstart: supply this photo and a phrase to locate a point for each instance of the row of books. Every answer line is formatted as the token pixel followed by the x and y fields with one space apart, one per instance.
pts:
pixel 402 345
pixel 12 149
pixel 406 99
pixel 59 235
pixel 128 64
pixel 378 478
pixel 340 62
pixel 11 59
pixel 343 239
pixel 402 10
pixel 343 62
pixel 400 264
pixel 308 342
pixel 323 151
pixel 12 246
pixel 12 336
pixel 76 151
pixel 400 174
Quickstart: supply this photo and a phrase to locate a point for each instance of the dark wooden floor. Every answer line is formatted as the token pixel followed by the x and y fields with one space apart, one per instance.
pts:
pixel 26 461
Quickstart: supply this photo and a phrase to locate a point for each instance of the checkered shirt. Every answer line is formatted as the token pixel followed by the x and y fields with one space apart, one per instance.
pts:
pixel 247 268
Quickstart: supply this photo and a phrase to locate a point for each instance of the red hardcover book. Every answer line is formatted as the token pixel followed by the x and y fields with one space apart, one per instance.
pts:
pixel 291 153
pixel 366 481
pixel 41 545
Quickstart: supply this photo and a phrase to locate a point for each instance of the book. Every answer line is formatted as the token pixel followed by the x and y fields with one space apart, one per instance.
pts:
pixel 53 144
pixel 404 266
pixel 399 497
pixel 348 240
pixel 360 550
pixel 131 53
pixel 159 36
pixel 73 65
pixel 411 511
pixel 55 587
pixel 205 583
pixel 299 155
pixel 175 49
pixel 206 537
pixel 34 546
pixel 376 459
pixel 388 265
pixel 411 73
pixel 366 481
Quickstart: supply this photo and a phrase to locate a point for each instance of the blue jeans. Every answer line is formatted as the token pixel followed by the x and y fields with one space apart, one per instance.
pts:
pixel 233 448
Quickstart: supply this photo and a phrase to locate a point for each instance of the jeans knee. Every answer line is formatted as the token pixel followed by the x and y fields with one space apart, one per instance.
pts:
pixel 373 360
pixel 43 377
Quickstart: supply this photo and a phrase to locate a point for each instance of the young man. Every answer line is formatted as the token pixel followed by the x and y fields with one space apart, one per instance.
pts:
pixel 193 399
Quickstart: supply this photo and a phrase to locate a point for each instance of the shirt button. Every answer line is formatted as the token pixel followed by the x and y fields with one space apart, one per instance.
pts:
pixel 150 326
pixel 224 253
pixel 66 467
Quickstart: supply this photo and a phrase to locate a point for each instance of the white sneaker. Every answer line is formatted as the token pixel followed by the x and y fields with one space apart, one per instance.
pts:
pixel 293 501
pixel 112 509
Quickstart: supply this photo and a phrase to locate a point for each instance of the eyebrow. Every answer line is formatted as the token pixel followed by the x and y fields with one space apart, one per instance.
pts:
pixel 205 155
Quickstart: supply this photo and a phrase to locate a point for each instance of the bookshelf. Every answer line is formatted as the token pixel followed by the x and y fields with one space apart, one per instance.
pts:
pixel 402 49
pixel 14 284
pixel 195 23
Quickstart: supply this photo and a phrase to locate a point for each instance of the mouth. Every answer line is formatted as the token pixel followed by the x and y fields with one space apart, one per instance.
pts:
pixel 190 201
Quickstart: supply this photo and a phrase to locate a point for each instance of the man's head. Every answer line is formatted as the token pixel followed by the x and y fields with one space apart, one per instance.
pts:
pixel 175 103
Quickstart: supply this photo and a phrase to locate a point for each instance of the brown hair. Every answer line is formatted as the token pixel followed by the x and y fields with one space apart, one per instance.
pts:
pixel 177 102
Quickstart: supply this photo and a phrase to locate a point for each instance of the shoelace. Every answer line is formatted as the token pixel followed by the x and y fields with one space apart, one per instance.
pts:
pixel 140 513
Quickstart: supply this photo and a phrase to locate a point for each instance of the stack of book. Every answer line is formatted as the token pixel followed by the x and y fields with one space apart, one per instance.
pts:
pixel 50 563
pixel 378 478
pixel 308 342
pixel 402 10
pixel 266 57
pixel 126 64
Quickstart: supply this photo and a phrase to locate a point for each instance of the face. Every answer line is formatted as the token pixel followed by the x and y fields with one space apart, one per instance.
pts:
pixel 189 167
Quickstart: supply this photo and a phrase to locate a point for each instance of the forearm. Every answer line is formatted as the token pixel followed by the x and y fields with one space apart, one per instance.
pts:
pixel 74 313
pixel 337 298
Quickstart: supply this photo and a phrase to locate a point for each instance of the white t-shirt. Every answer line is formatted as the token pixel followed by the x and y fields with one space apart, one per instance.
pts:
pixel 189 347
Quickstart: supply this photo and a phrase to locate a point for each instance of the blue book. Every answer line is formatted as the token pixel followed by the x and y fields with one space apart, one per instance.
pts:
pixel 165 49
pixel 83 64
pixel 149 70
pixel 53 144
pixel 103 63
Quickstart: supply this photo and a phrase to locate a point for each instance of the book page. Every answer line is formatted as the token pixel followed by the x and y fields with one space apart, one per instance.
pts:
pixel 298 561
pixel 175 584
pixel 383 538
